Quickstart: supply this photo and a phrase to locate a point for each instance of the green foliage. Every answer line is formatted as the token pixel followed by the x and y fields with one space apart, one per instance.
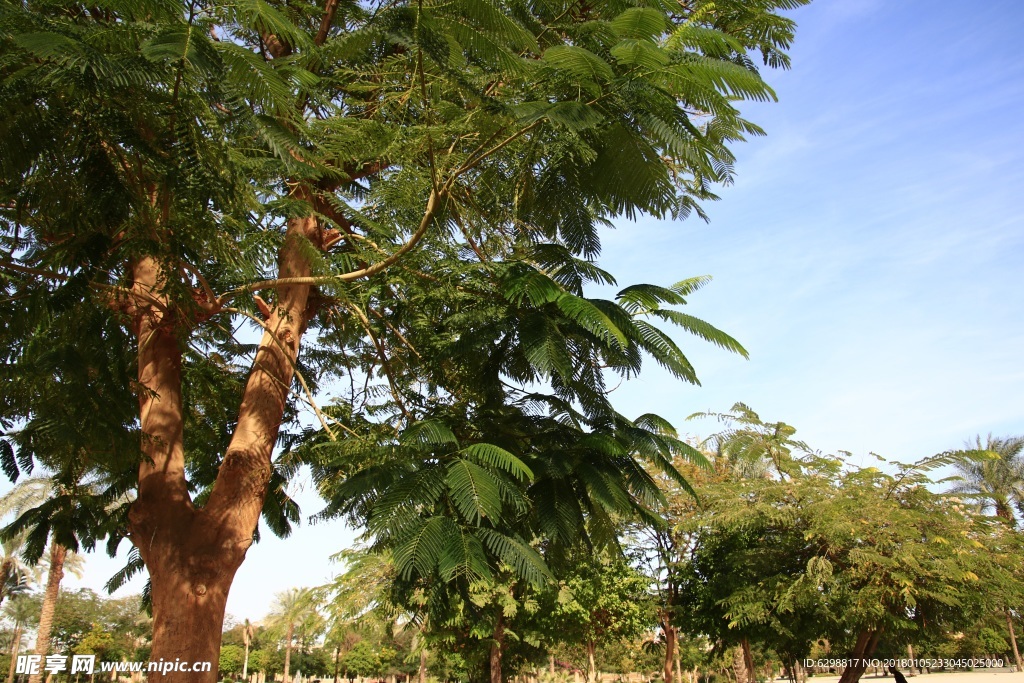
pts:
pixel 361 661
pixel 259 660
pixel 231 657
pixel 833 551
pixel 460 159
pixel 601 600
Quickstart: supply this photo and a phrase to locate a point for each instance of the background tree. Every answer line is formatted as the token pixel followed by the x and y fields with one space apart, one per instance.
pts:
pixel 858 556
pixel 992 473
pixel 22 612
pixel 603 600
pixel 291 608
pixel 231 660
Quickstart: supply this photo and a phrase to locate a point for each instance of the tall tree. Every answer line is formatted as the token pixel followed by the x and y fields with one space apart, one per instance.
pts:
pixel 290 608
pixel 48 511
pixel 21 611
pixel 248 631
pixel 992 473
pixel 26 496
pixel 187 159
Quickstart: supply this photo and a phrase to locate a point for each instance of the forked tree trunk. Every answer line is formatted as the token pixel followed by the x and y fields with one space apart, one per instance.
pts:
pixel 192 553
pixel 496 648
pixel 1013 641
pixel 867 641
pixel 53 578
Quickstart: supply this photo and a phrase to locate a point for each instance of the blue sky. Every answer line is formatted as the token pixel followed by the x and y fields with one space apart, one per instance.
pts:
pixel 869 255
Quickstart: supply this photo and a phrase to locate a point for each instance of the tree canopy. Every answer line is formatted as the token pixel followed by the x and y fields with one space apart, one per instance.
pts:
pixel 174 172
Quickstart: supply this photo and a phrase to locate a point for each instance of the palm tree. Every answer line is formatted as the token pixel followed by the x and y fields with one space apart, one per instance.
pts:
pixel 15 573
pixel 21 611
pixel 290 608
pixel 992 473
pixel 248 631
pixel 23 498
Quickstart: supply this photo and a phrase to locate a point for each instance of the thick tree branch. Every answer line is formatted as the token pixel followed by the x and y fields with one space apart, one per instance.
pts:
pixel 238 493
pixel 162 484
pixel 325 24
pixel 295 367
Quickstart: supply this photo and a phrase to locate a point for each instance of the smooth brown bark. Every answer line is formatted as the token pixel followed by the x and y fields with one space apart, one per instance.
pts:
pixel 192 553
pixel 58 553
pixel 496 649
pixel 865 646
pixel 1013 641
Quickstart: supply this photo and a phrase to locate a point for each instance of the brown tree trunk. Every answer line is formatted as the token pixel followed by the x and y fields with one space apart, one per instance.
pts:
pixel 192 553
pixel 337 662
pixel 867 641
pixel 739 666
pixel 748 660
pixel 496 648
pixel 670 648
pixel 1013 641
pixel 591 662
pixel 551 664
pixel 423 666
pixel 288 651
pixel 53 579
pixel 15 645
